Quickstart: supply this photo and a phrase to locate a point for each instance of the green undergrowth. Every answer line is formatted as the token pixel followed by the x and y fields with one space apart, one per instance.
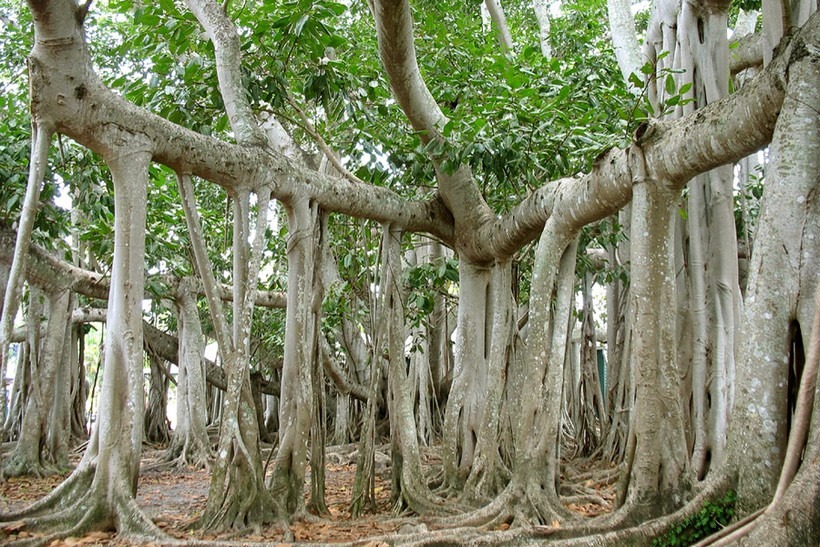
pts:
pixel 710 519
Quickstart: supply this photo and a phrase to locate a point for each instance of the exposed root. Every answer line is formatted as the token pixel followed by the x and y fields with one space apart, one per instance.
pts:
pixel 497 510
pixel 485 481
pixel 83 526
pixel 17 466
pixel 84 509
pixel 586 498
pixel 189 454
pixel 76 487
pixel 421 501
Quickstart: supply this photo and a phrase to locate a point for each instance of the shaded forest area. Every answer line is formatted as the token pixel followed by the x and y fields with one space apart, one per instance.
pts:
pixel 410 272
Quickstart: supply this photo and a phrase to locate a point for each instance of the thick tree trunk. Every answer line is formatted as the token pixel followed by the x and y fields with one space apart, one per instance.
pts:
pixel 782 275
pixel 237 496
pixel 488 474
pixel 462 419
pixel 657 467
pixel 100 492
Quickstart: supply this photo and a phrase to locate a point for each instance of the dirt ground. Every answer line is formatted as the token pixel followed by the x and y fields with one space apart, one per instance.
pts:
pixel 175 499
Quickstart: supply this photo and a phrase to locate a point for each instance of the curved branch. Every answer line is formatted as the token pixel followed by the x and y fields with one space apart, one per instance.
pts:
pixel 221 31
pixel 500 21
pixel 746 52
pixel 394 27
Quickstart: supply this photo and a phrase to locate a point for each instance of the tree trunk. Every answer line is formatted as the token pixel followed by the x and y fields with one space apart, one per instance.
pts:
pixel 237 497
pixel 657 467
pixel 156 425
pixel 409 488
pixel 40 144
pixel 190 445
pixel 782 276
pixel 31 454
pixel 296 399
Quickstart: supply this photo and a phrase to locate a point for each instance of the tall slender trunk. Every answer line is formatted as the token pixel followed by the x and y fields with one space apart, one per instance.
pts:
pixel 296 399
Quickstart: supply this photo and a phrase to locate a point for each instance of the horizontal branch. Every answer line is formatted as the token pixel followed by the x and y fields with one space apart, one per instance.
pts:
pixel 71 96
pixel 50 273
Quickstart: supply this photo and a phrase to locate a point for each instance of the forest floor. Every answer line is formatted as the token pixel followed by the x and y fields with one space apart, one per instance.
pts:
pixel 175 498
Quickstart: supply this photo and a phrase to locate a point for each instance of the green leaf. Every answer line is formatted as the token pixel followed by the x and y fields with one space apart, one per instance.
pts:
pixel 670 84
pixel 300 24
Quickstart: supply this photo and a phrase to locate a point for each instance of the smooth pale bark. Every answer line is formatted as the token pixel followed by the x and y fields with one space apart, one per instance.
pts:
pixel 189 444
pixel 237 497
pixel 624 38
pixel 100 493
pixel 464 407
pixel 47 402
pixel 409 487
pixel 499 19
pixel 542 15
pixel 227 164
pixel 657 466
pixel 536 432
pixel 488 474
pixel 460 194
pixel 296 401
pixel 708 288
pixel 13 287
pixel 58 423
pixel 28 352
pixel 221 31
pixel 51 273
pixel 473 414
pixel 363 495
pixel 782 275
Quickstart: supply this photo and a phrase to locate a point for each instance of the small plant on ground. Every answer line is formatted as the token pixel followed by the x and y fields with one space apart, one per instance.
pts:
pixel 710 519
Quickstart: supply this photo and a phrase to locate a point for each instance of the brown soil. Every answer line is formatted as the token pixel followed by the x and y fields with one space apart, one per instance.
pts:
pixel 175 499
